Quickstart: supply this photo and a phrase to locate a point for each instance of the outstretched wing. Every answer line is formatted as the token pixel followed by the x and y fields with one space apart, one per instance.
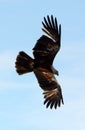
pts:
pixel 47 46
pixel 52 90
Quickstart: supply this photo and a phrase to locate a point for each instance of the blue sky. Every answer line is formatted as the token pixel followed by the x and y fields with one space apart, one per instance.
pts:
pixel 21 99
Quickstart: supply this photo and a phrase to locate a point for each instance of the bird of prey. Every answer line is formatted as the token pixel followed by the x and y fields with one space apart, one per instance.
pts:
pixel 44 52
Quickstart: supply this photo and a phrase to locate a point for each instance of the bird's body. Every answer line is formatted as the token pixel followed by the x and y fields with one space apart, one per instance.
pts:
pixel 44 53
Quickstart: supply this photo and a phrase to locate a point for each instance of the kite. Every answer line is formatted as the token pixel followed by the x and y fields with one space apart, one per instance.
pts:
pixel 44 52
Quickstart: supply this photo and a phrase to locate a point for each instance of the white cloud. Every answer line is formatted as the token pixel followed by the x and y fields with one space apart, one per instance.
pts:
pixel 6 60
pixel 67 117
pixel 73 50
pixel 11 1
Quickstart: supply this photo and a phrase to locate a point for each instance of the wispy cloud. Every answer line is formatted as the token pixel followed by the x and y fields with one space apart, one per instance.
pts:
pixel 6 60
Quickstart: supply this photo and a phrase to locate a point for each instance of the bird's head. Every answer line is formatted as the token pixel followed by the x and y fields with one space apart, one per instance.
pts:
pixel 54 71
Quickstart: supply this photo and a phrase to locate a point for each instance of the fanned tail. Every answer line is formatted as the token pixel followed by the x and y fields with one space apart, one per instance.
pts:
pixel 24 63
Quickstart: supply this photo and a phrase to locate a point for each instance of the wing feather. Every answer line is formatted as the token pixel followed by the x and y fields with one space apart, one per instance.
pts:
pixel 53 24
pixel 52 90
pixel 47 46
pixel 51 28
pixel 49 21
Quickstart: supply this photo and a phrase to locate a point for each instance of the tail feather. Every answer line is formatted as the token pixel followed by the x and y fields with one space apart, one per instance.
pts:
pixel 24 63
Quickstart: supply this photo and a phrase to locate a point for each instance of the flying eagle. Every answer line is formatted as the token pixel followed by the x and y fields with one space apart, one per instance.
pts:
pixel 44 51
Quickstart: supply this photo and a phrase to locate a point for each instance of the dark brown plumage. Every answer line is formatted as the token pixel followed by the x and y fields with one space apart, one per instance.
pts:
pixel 44 53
